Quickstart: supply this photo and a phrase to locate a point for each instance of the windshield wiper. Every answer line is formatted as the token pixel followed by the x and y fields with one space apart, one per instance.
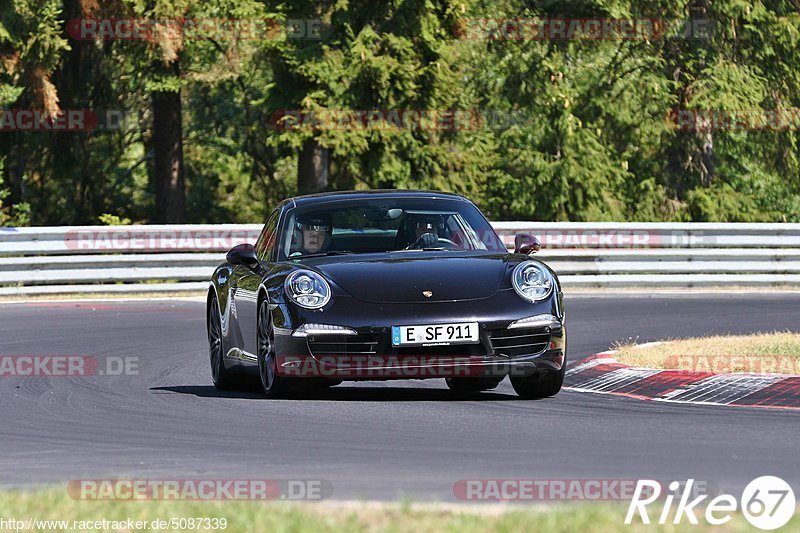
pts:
pixel 322 254
pixel 426 249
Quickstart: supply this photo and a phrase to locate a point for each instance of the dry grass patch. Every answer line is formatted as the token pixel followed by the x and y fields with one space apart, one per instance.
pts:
pixel 762 353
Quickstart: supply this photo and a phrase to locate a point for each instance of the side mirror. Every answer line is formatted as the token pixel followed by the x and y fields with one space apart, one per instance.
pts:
pixel 527 244
pixel 243 254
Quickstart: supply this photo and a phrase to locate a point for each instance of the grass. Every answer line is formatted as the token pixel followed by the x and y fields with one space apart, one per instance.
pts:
pixel 357 517
pixel 777 352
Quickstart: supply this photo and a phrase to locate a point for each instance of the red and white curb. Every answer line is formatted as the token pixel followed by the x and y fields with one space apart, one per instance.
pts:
pixel 603 374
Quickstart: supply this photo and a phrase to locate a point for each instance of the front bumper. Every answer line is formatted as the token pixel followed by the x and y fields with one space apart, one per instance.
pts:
pixel 369 355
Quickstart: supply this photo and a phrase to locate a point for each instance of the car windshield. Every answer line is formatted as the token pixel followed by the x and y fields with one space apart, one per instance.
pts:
pixel 387 225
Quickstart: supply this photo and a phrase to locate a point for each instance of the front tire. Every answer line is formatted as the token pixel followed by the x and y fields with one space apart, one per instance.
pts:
pixel 536 387
pixel 221 376
pixel 273 385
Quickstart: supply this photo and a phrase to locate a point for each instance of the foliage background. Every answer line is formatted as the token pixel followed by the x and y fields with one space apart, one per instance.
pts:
pixel 588 140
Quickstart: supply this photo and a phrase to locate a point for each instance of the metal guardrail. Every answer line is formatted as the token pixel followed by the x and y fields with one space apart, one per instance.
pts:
pixel 586 255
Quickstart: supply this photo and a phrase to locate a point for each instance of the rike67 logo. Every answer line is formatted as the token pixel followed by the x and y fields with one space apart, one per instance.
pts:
pixel 767 502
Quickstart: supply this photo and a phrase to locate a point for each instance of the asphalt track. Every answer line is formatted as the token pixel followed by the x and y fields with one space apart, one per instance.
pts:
pixel 379 440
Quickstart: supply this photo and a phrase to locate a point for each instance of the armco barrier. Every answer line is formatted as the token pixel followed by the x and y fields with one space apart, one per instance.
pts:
pixel 175 258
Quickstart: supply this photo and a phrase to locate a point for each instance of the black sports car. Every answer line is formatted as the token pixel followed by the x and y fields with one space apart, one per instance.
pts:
pixel 385 285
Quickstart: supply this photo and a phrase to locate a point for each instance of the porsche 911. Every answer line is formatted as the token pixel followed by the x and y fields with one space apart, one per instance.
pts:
pixel 385 284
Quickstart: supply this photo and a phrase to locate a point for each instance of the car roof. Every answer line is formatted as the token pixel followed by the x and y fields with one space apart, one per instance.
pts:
pixel 371 194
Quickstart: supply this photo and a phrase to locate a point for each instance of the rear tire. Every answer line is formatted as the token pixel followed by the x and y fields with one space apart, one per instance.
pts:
pixel 536 387
pixel 472 384
pixel 221 376
pixel 273 385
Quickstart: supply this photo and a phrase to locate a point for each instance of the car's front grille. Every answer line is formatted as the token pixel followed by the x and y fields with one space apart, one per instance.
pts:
pixel 364 344
pixel 456 350
pixel 521 341
pixel 343 345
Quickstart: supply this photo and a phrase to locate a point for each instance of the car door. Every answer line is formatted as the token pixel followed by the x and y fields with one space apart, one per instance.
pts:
pixel 246 286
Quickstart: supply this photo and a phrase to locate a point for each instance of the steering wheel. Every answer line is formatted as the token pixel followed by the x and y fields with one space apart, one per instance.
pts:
pixel 427 240
pixel 450 244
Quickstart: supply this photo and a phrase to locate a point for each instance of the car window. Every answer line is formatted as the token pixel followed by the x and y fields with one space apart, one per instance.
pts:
pixel 266 241
pixel 388 225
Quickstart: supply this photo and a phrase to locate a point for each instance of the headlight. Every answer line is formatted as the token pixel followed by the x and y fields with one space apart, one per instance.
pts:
pixel 308 289
pixel 532 282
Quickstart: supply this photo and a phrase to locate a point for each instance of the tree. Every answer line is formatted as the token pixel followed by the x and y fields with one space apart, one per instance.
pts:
pixel 576 129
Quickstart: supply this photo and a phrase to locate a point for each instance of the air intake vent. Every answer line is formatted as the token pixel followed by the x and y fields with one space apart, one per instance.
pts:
pixel 343 345
pixel 520 341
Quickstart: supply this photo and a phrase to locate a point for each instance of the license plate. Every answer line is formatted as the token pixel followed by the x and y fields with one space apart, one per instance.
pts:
pixel 435 335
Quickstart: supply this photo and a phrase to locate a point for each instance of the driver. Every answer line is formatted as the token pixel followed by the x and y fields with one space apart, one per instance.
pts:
pixel 425 230
pixel 422 227
pixel 313 234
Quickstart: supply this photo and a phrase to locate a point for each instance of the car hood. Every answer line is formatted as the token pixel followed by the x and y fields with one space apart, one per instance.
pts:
pixel 404 279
